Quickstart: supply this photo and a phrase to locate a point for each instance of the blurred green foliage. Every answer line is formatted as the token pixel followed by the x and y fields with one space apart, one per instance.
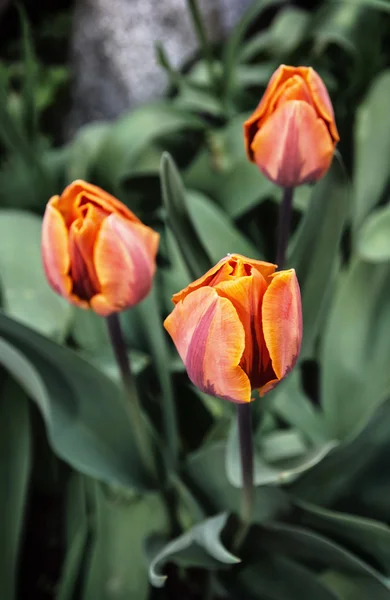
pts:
pixel 322 518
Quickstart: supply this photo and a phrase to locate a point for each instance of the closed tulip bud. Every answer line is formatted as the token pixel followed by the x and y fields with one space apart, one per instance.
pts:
pixel 95 251
pixel 292 134
pixel 238 328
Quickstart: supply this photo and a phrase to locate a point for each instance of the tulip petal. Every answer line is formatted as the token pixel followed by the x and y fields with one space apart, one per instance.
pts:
pixel 322 101
pixel 79 192
pixel 221 271
pixel 246 294
pixel 267 103
pixel 82 237
pixel 282 321
pixel 293 146
pixel 124 258
pixel 55 253
pixel 210 339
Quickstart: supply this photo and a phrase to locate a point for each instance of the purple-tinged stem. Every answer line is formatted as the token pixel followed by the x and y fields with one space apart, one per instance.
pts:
pixel 284 225
pixel 141 435
pixel 244 419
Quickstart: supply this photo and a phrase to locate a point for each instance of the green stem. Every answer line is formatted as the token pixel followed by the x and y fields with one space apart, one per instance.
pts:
pixel 141 435
pixel 204 43
pixel 284 225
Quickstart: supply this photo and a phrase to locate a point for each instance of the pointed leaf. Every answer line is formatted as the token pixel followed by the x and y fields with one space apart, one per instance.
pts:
pixel 200 547
pixel 374 236
pixel 142 126
pixel 367 536
pixel 217 233
pixel 117 567
pixel 84 411
pixel 176 205
pixel 15 450
pixel 355 375
pixel 76 538
pixel 353 587
pixel 206 470
pixel 276 578
pixel 315 249
pixel 268 473
pixel 289 402
pixel 372 148
pixel 26 294
pixel 305 545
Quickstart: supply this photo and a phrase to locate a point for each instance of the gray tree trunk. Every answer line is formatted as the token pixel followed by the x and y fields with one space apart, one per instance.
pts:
pixel 113 50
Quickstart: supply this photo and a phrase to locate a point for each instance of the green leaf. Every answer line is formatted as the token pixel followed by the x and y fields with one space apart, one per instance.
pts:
pixel 198 100
pixel 281 37
pixel 237 197
pixel 206 470
pixel 337 23
pixel 150 312
pixel 314 251
pixel 231 50
pixel 84 411
pixel 117 569
pixel 342 470
pixel 199 547
pixel 371 538
pixel 304 545
pixel 175 276
pixel 15 450
pixel 217 233
pixel 289 402
pixel 353 587
pixel 89 331
pixel 105 362
pixel 268 467
pixel 374 236
pixel 176 205
pixel 356 345
pixel 76 537
pixel 132 133
pixel 276 578
pixel 26 294
pixel 84 150
pixel 30 116
pixel 372 148
pixel 378 4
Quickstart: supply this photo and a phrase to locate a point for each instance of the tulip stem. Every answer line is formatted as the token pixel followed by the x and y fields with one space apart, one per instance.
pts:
pixel 284 225
pixel 141 435
pixel 244 419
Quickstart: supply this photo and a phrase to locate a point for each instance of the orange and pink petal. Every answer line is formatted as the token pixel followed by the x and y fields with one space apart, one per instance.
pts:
pixel 293 146
pixel 282 321
pixel 210 339
pixel 55 251
pixel 124 259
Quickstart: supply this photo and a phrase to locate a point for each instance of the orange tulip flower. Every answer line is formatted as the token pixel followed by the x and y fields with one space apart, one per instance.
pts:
pixel 95 251
pixel 292 134
pixel 238 328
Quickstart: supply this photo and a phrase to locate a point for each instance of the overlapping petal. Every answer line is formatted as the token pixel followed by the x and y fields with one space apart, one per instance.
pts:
pixel 81 192
pixel 55 253
pixel 210 339
pixel 292 133
pixel 124 260
pixel 282 321
pixel 239 327
pixel 293 145
pixel 222 271
pixel 95 251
